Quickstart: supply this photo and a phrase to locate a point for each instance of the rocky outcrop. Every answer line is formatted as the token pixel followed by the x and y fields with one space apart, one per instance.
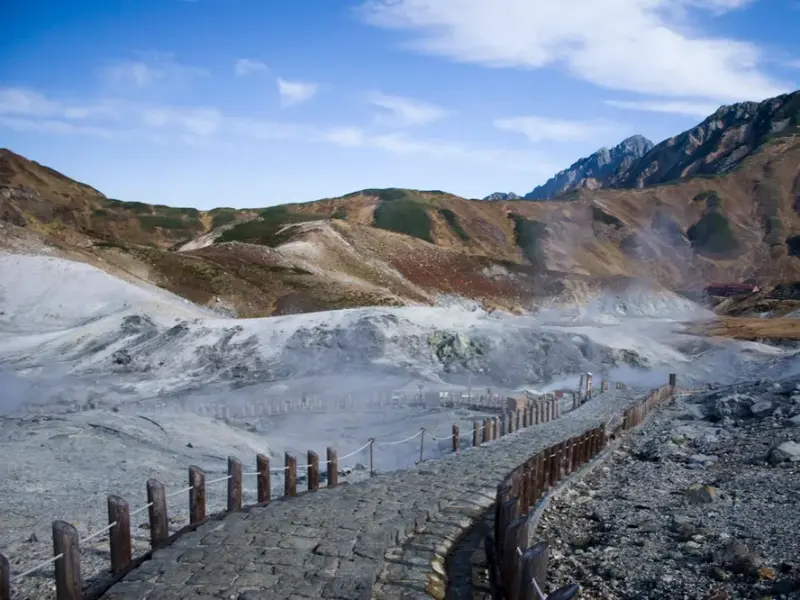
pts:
pixel 499 196
pixel 594 171
pixel 717 145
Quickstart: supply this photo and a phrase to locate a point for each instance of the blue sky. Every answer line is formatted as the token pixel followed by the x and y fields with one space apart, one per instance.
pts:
pixel 257 102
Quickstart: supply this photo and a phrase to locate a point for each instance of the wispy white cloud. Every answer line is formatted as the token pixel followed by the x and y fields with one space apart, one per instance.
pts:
pixel 631 45
pixel 30 103
pixel 402 112
pixel 246 66
pixel 150 69
pixel 295 92
pixel 57 127
pixel 540 129
pixel 26 110
pixel 689 109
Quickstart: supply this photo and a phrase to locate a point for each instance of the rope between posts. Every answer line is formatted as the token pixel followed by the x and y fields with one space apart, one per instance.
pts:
pixel 105 529
pixel 97 533
pixel 218 479
pixel 408 439
pixel 354 452
pixel 183 491
pixel 138 510
pixel 36 568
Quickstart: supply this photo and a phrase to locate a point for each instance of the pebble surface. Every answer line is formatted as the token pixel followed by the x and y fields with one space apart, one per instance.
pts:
pixel 701 502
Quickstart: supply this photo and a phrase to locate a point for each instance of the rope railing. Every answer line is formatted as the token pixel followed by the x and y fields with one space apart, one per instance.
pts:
pixel 66 542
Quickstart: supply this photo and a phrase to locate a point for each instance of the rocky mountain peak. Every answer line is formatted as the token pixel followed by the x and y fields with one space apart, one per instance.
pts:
pixel 594 170
pixel 717 144
pixel 501 196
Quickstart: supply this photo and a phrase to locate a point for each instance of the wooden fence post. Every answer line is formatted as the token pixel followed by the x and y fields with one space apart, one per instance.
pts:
pixel 517 420
pixel 570 455
pixel 534 478
pixel 157 499
pixel 506 514
pixel 5 579
pixel 533 565
pixel 290 475
pixel 553 465
pixel 516 537
pixel 371 457
pixel 500 519
pixel 197 495
pixel 487 433
pixel 313 471
pixel 422 443
pixel 119 536
pixel 475 432
pixel 68 567
pixel 562 460
pixel 456 438
pixel 234 484
pixel 492 562
pixel 333 467
pixel 263 478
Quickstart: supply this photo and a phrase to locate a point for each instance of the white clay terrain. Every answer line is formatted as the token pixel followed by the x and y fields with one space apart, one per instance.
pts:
pixel 104 383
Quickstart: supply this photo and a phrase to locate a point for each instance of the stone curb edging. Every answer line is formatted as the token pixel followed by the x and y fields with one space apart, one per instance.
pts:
pixel 424 553
pixel 416 567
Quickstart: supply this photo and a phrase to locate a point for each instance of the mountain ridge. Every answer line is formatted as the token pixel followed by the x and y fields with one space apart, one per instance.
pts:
pixel 593 171
pixel 399 246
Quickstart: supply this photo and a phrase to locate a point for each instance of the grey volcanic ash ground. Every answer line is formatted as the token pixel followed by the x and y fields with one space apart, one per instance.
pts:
pixel 85 356
pixel 702 502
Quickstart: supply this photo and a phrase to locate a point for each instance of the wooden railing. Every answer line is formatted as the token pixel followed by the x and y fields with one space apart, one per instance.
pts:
pixel 67 543
pixel 517 570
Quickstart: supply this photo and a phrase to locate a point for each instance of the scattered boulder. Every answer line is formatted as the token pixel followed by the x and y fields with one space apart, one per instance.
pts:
pixel 731 406
pixel 762 408
pixel 737 558
pixel 121 357
pixel 683 527
pixel 785 452
pixel 697 493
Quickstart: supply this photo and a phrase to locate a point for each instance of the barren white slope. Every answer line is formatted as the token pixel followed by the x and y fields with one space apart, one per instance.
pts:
pixel 80 335
pixel 72 335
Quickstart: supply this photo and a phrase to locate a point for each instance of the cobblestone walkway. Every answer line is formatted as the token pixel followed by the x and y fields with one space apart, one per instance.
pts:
pixel 374 539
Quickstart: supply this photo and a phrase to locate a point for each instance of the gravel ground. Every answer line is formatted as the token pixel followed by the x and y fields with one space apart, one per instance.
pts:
pixel 703 502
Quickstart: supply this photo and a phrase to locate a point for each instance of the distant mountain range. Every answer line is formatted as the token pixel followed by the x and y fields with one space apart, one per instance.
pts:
pixel 719 202
pixel 595 170
pixel 499 196
pixel 716 145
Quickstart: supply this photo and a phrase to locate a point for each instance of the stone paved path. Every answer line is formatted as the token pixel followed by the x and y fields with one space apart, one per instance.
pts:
pixel 374 539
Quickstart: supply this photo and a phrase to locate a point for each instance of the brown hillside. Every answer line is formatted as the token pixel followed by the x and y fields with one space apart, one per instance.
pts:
pixel 395 246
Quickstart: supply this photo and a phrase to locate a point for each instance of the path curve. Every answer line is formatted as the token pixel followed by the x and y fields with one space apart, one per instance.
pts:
pixel 380 538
